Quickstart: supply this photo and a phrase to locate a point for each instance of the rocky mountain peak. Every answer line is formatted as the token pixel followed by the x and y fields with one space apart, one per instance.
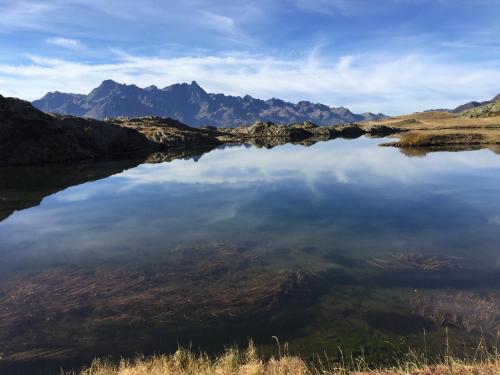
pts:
pixel 195 86
pixel 191 104
pixel 105 88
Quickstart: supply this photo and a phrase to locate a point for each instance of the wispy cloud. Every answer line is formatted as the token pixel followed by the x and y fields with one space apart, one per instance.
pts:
pixel 393 84
pixel 23 14
pixel 329 6
pixel 219 22
pixel 294 49
pixel 65 43
pixel 225 26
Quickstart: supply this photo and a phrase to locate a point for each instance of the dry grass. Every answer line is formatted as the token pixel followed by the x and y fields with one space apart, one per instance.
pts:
pixel 235 362
pixel 436 129
pixel 437 121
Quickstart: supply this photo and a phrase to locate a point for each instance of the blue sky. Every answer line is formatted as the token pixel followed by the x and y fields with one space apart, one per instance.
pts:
pixel 392 56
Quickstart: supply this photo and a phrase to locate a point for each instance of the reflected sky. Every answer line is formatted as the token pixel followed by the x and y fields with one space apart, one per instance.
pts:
pixel 348 196
pixel 344 161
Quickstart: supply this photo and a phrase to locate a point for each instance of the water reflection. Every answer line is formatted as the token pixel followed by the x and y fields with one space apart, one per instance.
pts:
pixel 323 245
pixel 24 187
pixel 339 159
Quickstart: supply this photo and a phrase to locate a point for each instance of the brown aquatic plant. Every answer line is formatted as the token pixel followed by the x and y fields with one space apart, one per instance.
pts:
pixel 467 310
pixel 419 261
pixel 165 295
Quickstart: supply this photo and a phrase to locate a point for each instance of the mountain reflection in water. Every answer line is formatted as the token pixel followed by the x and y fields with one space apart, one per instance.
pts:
pixel 341 243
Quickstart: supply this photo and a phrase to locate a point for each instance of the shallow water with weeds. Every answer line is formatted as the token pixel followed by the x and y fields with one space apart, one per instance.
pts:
pixel 341 244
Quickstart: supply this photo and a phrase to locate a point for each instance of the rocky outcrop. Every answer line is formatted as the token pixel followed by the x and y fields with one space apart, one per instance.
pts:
pixel 487 110
pixel 293 132
pixel 29 136
pixel 168 133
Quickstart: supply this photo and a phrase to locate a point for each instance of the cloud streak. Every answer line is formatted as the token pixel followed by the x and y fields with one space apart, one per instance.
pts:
pixel 392 84
pixel 72 44
pixel 23 14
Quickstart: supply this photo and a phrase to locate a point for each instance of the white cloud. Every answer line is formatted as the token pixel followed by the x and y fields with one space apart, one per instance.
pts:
pixel 386 83
pixel 343 161
pixel 328 6
pixel 219 22
pixel 65 43
pixel 495 220
pixel 23 14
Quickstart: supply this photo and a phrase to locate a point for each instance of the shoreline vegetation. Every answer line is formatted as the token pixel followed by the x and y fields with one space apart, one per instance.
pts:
pixel 29 136
pixel 484 361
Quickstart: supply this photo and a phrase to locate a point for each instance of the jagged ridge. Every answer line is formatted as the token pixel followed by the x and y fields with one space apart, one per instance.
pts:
pixel 192 105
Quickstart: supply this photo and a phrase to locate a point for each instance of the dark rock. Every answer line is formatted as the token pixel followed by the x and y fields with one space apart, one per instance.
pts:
pixel 29 136
pixel 171 134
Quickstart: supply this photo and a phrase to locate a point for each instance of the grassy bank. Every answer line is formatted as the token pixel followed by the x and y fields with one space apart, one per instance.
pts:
pixel 234 361
pixel 448 131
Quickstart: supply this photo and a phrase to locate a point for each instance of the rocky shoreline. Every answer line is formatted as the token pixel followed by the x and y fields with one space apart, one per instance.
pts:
pixel 29 136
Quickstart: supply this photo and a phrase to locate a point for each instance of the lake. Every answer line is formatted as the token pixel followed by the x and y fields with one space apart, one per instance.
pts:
pixel 340 244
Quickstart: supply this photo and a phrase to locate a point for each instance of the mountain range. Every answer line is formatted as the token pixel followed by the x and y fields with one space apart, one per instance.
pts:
pixel 192 105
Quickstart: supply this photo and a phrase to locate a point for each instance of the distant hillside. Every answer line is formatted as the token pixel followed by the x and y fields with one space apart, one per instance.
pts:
pixel 192 105
pixel 472 105
pixel 487 110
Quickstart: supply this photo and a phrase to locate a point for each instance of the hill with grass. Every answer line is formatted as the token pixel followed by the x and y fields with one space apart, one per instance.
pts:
pixel 474 104
pixel 487 110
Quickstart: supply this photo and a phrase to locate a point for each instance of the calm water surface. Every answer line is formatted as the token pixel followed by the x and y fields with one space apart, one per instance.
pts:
pixel 339 244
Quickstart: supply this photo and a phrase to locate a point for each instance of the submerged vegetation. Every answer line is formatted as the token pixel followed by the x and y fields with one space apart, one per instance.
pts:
pixel 416 261
pixel 249 362
pixel 462 309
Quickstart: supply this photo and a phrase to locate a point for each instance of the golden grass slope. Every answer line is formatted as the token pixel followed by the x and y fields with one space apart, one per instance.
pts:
pixel 436 129
pixel 437 120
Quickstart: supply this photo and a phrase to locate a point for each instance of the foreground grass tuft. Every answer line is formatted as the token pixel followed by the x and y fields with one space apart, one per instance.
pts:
pixel 236 362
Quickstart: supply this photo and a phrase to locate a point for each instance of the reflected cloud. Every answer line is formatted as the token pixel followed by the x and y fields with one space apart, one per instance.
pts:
pixel 343 161
pixel 495 220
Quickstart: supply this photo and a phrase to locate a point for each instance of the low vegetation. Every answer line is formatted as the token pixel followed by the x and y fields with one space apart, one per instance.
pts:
pixel 440 131
pixel 234 361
